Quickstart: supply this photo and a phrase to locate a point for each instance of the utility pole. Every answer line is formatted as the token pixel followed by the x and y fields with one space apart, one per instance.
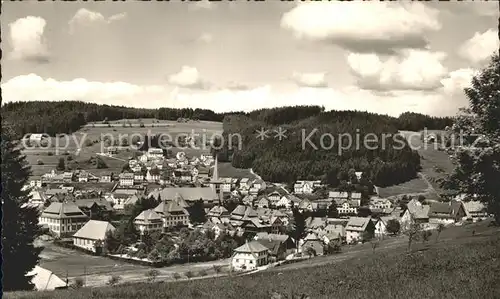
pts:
pixel 85 275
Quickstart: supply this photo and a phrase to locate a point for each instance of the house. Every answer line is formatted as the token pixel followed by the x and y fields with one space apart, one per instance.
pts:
pixel 68 176
pixel 37 138
pixel 46 280
pixel 148 221
pixel 446 213
pixel 249 256
pixel 286 239
pixel 36 181
pixel 248 200
pixel 63 218
pixel 83 177
pixel 359 175
pixel 359 229
pixel 347 207
pixel 332 232
pixel 475 210
pixel 415 213
pixel 380 203
pixel 312 241
pixel 306 187
pixel 338 196
pixel 120 196
pixel 276 249
pixel 245 183
pixel 138 177
pixel 381 226
pixel 92 236
pixel 218 212
pixel 277 225
pixel 258 184
pixel 263 202
pixel 203 172
pixel 314 223
pixel 153 175
pixel 183 175
pixel 112 150
pixel 172 214
pixel 126 179
pixel 106 178
pixel 228 184
pixel 190 194
pixel 94 207
pixel 155 152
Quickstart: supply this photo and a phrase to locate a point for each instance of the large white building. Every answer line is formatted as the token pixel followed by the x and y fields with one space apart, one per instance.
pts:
pixel 92 235
pixel 249 256
pixel 148 221
pixel 63 218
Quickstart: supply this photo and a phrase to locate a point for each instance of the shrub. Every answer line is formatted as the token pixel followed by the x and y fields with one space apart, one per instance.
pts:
pixel 217 268
pixel 176 275
pixel 50 154
pixel 189 274
pixel 78 283
pixel 114 279
pixel 393 226
pixel 39 162
pixel 202 273
pixel 152 274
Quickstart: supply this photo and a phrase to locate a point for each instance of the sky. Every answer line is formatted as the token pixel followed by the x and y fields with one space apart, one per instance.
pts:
pixel 381 57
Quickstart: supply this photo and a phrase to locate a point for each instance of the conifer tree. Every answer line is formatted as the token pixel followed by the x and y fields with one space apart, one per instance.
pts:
pixel 19 224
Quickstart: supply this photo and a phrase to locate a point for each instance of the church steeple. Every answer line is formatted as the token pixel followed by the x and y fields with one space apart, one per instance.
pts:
pixel 215 174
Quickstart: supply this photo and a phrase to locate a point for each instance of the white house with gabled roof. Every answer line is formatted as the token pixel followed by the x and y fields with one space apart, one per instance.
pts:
pixel 249 256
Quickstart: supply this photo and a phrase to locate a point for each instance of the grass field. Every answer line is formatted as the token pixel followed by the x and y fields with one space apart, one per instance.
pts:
pixel 435 165
pixel 458 265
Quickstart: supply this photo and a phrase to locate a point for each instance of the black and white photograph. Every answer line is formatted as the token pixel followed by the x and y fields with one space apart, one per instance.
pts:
pixel 259 149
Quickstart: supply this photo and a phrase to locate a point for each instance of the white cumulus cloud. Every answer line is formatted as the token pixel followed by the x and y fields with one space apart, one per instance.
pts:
pixel 85 17
pixel 412 70
pixel 315 80
pixel 188 77
pixel 363 26
pixel 26 36
pixel 480 47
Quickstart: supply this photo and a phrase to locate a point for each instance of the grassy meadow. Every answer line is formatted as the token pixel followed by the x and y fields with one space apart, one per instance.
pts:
pixel 459 264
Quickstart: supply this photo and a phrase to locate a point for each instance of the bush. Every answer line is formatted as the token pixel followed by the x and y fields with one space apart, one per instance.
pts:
pixel 50 154
pixel 114 279
pixel 152 274
pixel 189 274
pixel 176 275
pixel 39 162
pixel 78 283
pixel 217 268
pixel 202 273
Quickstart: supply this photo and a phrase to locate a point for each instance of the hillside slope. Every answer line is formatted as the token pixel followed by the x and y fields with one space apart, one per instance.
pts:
pixel 459 266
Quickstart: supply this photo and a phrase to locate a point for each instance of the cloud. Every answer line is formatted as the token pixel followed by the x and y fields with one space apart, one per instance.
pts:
pixel 478 8
pixel 85 17
pixel 27 40
pixel 314 80
pixel 412 70
pixel 363 27
pixel 234 86
pixel 188 77
pixel 33 87
pixel 479 48
pixel 457 80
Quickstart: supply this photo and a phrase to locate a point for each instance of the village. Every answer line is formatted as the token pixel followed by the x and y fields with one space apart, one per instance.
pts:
pixel 185 210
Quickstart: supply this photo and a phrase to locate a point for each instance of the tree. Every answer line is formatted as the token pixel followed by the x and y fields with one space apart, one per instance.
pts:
pixel 310 251
pixel 297 226
pixel 61 165
pixel 217 268
pixel 413 234
pixel 189 274
pixel 374 244
pixel 152 274
pixel 101 164
pixel 197 212
pixel 477 164
pixel 332 210
pixel 439 229
pixel 176 275
pixel 20 224
pixel 78 283
pixel 393 226
pixel 114 279
pixel 426 234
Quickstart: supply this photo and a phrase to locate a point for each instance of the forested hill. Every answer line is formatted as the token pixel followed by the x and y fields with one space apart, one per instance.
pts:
pixel 69 116
pixel 288 160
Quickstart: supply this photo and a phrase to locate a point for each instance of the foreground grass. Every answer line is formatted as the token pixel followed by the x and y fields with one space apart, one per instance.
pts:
pixel 467 268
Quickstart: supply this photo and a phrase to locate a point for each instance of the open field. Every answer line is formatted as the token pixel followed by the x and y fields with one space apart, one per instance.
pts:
pixel 458 265
pixel 227 170
pixel 435 164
